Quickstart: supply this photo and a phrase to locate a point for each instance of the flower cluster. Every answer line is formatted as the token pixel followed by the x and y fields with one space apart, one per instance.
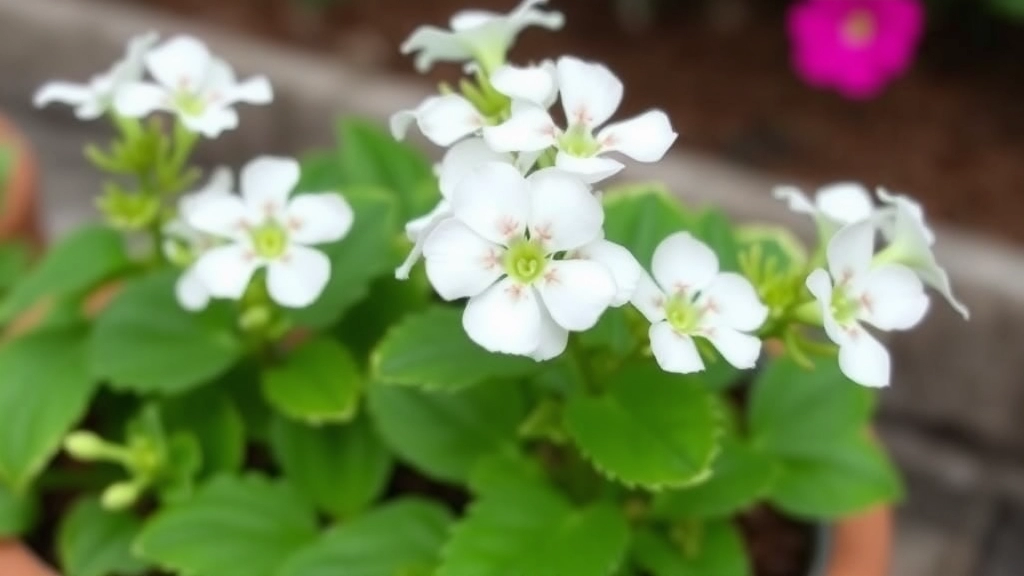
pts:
pixel 519 229
pixel 858 285
pixel 220 239
pixel 198 88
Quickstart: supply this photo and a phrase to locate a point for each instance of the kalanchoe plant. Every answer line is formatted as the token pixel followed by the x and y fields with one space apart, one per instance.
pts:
pixel 547 384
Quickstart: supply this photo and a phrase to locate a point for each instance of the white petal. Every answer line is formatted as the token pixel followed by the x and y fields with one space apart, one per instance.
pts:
pixel 221 181
pixel 525 161
pixel 267 182
pixel 466 20
pixel 435 45
pixel 190 291
pixel 296 279
pixel 447 119
pixel 417 226
pixel 223 215
pixel 911 208
pixel 400 122
pixel 739 349
pixel 318 218
pixel 459 262
pixel 819 283
pixel 938 279
pixel 564 214
pixel 591 170
pixel 674 352
pixel 733 302
pixel 493 200
pixel 893 298
pixel 226 270
pixel 138 99
pixel 590 92
pixel 212 122
pixel 535 84
pixel 179 63
pixel 63 92
pixel 850 251
pixel 529 129
pixel 620 262
pixel 649 299
pixel 576 292
pixel 845 202
pixel 255 90
pixel 645 138
pixel 462 158
pixel 681 263
pixel 129 68
pixel 553 338
pixel 795 199
pixel 863 359
pixel 505 318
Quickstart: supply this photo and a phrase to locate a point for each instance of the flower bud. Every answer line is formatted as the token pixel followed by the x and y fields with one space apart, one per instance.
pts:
pixel 120 495
pixel 84 445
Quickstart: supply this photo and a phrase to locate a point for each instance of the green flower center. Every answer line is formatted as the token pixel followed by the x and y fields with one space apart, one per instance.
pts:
pixel 579 142
pixel 270 240
pixel 682 314
pixel 525 261
pixel 844 308
pixel 189 103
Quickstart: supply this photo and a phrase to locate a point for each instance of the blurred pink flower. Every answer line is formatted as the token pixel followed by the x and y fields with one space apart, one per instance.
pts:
pixel 854 46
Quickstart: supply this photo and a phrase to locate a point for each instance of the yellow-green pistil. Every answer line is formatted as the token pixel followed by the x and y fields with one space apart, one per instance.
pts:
pixel 578 141
pixel 525 261
pixel 683 314
pixel 269 240
pixel 844 308
pixel 189 103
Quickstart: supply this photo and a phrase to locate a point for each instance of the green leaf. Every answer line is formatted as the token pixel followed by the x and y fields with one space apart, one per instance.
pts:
pixel 640 218
pixel 674 419
pixel 370 156
pixel 520 525
pixel 390 300
pixel 740 476
pixel 431 350
pixel 444 435
pixel 233 526
pixel 777 245
pixel 815 423
pixel 14 262
pixel 612 332
pixel 397 539
pixel 850 476
pixel 73 265
pixel 145 342
pixel 342 469
pixel 45 389
pixel 714 229
pixel 215 421
pixel 318 382
pixel 320 172
pixel 17 512
pixel 1009 8
pixel 712 549
pixel 366 252
pixel 793 409
pixel 92 541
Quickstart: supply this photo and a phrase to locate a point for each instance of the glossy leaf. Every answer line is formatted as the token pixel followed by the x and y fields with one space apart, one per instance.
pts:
pixel 714 548
pixel 318 382
pixel 92 541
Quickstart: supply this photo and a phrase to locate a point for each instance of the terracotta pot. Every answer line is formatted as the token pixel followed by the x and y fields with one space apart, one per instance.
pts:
pixel 858 546
pixel 19 212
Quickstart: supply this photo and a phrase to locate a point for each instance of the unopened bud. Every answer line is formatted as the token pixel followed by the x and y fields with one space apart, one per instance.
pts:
pixel 120 495
pixel 83 445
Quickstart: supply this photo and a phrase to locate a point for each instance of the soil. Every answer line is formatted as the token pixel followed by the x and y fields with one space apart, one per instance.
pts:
pixel 951 132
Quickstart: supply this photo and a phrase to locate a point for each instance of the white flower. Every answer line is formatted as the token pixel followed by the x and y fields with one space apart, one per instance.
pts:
pixel 458 161
pixel 92 100
pixel 910 244
pixel 183 244
pixel 477 35
pixel 833 207
pixel 199 88
pixel 886 296
pixel 266 228
pixel 590 95
pixel 501 250
pixel 688 297
pixel 448 118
